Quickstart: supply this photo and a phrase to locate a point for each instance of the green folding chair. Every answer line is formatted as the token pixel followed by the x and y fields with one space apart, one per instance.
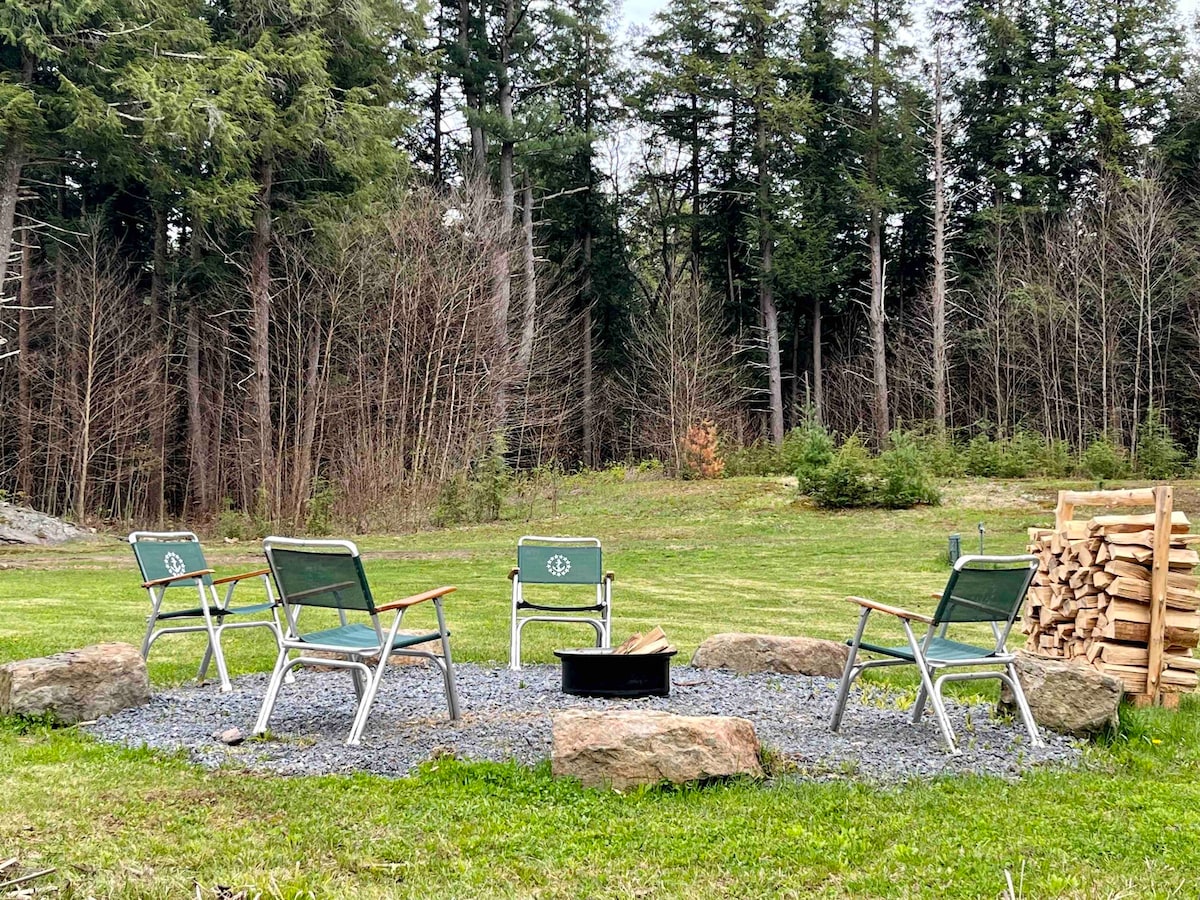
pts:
pixel 981 589
pixel 171 561
pixel 559 560
pixel 329 575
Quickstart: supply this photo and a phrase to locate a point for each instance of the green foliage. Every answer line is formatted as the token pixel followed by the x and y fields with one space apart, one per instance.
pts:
pixel 904 480
pixel 1019 455
pixel 1055 459
pixel 759 458
pixel 490 481
pixel 452 507
pixel 848 480
pixel 1104 460
pixel 319 520
pixel 1158 456
pixel 982 457
pixel 806 452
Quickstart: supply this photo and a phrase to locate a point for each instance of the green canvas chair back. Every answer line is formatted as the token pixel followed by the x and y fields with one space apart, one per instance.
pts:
pixel 985 589
pixel 544 560
pixel 328 574
pixel 166 554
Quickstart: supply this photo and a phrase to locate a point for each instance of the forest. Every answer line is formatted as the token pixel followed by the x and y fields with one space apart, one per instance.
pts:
pixel 327 258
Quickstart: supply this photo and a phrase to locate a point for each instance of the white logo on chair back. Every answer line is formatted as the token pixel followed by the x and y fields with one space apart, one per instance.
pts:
pixel 558 565
pixel 174 563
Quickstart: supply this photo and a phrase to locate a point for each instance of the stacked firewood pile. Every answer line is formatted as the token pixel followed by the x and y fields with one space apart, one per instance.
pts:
pixel 1091 599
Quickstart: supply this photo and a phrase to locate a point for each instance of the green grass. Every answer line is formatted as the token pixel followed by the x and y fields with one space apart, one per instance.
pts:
pixel 699 558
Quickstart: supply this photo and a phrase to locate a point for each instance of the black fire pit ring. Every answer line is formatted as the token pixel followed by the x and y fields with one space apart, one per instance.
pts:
pixel 598 672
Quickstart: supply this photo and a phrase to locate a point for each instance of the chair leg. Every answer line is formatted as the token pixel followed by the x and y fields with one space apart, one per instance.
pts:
pixel 1014 682
pixel 447 664
pixel 514 652
pixel 848 674
pixel 273 686
pixel 366 699
pixel 214 637
pixel 356 676
pixel 514 630
pixel 931 692
pixel 919 706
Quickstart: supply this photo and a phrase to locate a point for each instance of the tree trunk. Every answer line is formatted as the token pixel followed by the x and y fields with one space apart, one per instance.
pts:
pixel 197 448
pixel 477 163
pixel 879 405
pixel 260 340
pixel 938 300
pixel 25 371
pixel 818 367
pixel 766 247
pixel 529 312
pixel 310 401
pixel 10 182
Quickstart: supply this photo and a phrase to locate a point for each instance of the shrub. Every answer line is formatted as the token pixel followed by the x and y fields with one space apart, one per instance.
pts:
pixel 701 455
pixel 490 484
pixel 847 481
pixel 1158 456
pixel 943 458
pixel 982 457
pixel 759 458
pixel 1018 456
pixel 320 509
pixel 903 478
pixel 451 506
pixel 1103 460
pixel 806 452
pixel 1055 460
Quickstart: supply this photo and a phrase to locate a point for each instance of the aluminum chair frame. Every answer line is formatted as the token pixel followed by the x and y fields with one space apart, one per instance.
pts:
pixel 212 606
pixel 930 692
pixel 366 678
pixel 603 604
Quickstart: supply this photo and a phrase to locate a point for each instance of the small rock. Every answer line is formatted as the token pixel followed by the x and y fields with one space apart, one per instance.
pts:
pixel 76 686
pixel 745 653
pixel 1066 696
pixel 624 748
pixel 230 736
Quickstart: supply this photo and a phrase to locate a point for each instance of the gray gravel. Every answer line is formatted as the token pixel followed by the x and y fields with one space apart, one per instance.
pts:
pixel 506 715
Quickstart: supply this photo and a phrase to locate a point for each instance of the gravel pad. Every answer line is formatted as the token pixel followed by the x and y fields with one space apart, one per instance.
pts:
pixel 506 715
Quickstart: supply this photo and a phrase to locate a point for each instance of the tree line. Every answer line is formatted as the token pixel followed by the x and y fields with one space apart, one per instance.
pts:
pixel 277 257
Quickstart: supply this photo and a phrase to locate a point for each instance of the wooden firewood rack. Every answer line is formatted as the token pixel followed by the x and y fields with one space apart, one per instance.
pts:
pixel 1160 498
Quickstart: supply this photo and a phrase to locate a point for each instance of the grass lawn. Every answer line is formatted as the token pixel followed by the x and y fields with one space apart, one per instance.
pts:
pixel 739 554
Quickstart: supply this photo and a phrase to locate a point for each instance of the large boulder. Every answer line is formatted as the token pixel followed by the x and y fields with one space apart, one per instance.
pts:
pixel 623 748
pixel 76 686
pixel 745 653
pixel 22 525
pixel 1065 695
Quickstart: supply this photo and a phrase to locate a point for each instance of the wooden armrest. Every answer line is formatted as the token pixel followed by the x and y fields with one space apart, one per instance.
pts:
pixel 935 595
pixel 326 589
pixel 609 576
pixel 891 610
pixel 186 575
pixel 229 578
pixel 513 573
pixel 417 598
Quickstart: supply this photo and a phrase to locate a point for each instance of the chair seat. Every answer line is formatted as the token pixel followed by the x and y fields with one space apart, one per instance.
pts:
pixel 356 636
pixel 940 650
pixel 197 611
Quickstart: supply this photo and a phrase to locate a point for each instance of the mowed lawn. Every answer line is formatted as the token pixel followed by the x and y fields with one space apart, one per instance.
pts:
pixel 698 558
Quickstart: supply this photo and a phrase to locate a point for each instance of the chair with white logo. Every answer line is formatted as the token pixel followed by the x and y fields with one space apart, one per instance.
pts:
pixel 559 560
pixel 171 560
